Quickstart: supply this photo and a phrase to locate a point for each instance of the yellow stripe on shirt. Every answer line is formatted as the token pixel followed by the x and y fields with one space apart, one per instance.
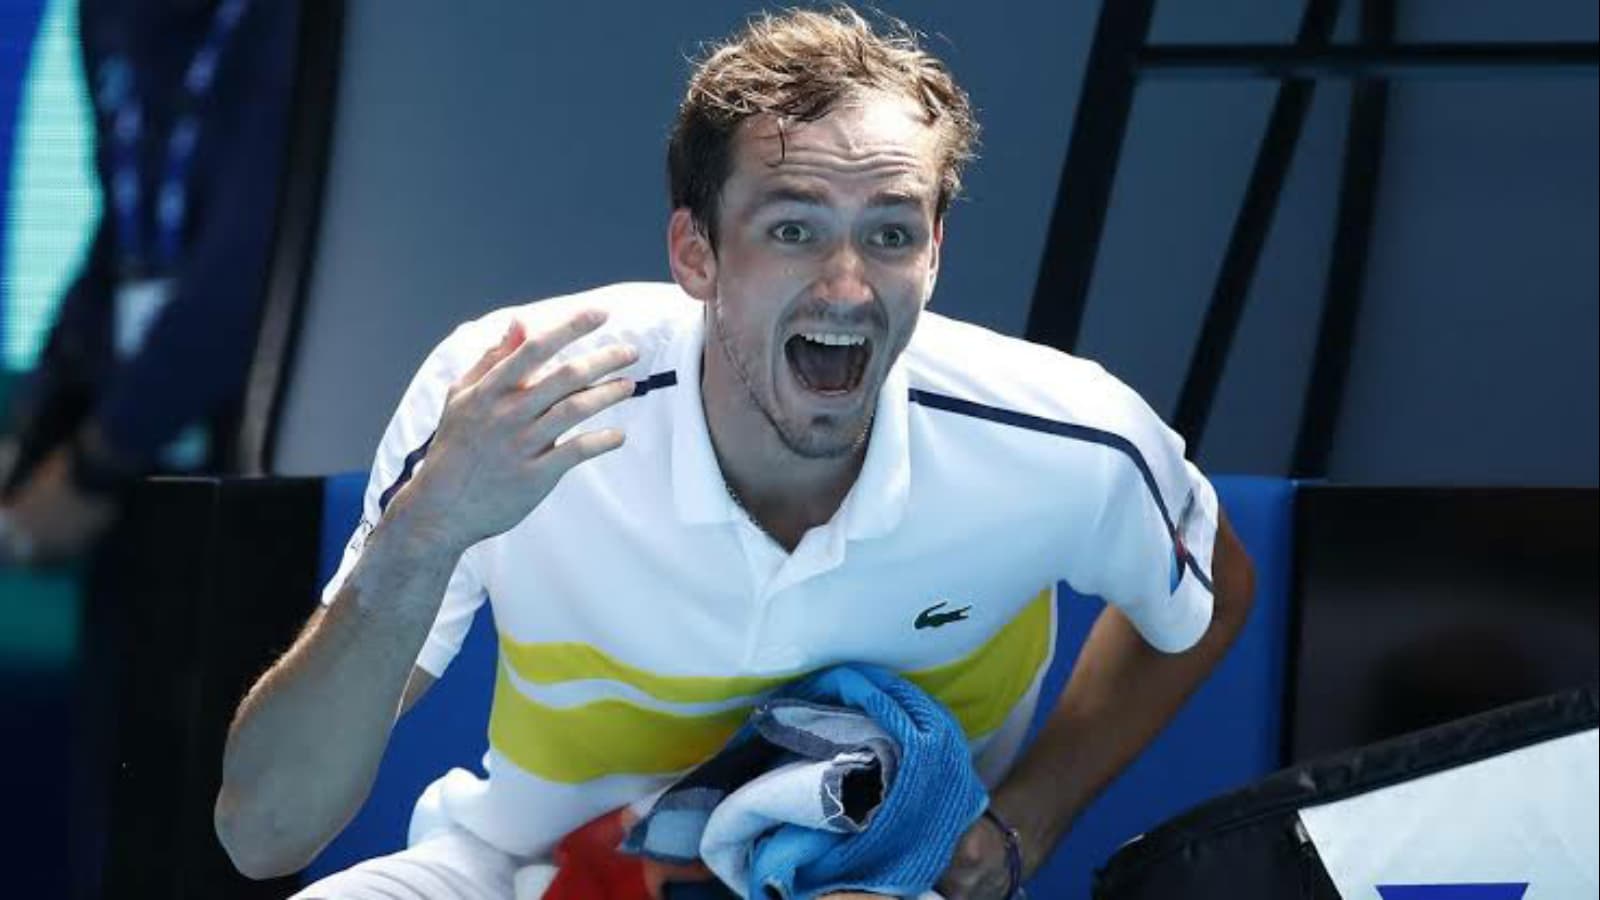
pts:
pixel 608 737
pixel 557 663
pixel 614 737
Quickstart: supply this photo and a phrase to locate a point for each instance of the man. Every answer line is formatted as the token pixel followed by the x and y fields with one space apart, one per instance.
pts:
pixel 680 497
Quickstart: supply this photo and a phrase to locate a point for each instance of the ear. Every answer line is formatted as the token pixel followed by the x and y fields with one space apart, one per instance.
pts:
pixel 689 253
pixel 933 261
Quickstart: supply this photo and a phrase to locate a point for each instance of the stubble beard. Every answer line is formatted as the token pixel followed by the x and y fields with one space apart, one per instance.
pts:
pixel 801 441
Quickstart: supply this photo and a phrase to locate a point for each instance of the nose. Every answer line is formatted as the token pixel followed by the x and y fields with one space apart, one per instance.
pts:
pixel 844 277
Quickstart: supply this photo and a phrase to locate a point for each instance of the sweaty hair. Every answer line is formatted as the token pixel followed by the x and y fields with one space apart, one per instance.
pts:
pixel 796 67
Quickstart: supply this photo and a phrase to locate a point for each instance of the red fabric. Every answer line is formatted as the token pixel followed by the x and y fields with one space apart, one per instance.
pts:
pixel 590 867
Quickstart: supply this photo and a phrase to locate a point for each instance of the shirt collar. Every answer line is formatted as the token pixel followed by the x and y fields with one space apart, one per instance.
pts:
pixel 697 486
pixel 873 507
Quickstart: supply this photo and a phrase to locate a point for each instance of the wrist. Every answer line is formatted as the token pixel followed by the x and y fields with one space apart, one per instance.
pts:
pixel 1038 828
pixel 404 565
pixel 420 531
pixel 1014 853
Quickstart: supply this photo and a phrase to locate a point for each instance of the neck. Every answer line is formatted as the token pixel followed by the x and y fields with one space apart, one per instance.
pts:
pixel 785 493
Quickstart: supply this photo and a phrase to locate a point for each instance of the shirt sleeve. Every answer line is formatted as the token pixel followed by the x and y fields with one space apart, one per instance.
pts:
pixel 1152 539
pixel 401 455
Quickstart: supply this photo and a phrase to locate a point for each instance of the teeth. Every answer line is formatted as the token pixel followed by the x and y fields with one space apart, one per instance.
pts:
pixel 834 340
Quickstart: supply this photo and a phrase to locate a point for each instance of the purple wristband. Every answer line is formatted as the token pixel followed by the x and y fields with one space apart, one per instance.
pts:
pixel 1013 853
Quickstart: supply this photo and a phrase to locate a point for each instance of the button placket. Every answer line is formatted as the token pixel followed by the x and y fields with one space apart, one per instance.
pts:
pixel 763 560
pixel 820 552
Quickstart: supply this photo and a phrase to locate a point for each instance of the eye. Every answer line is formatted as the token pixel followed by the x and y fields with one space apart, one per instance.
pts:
pixel 790 233
pixel 891 237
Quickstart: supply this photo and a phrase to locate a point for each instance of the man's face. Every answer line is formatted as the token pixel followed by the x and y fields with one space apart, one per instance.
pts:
pixel 827 251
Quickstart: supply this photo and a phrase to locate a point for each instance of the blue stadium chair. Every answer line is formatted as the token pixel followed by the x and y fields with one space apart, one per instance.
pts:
pixel 1226 736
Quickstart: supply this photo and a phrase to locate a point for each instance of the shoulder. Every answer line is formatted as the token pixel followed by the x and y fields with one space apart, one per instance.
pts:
pixel 968 368
pixel 648 315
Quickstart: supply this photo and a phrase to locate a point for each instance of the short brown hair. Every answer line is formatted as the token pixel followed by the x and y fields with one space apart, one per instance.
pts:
pixel 796 66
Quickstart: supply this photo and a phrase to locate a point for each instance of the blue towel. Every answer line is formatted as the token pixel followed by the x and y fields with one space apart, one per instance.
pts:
pixel 893 833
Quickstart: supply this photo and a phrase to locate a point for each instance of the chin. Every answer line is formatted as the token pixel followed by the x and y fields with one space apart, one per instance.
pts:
pixel 825 437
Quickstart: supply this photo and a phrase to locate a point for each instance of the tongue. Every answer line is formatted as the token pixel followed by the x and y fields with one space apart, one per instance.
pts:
pixel 821 367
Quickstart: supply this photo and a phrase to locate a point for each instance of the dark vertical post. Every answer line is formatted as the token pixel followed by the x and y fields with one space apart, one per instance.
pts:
pixel 1347 264
pixel 310 141
pixel 1250 230
pixel 1087 175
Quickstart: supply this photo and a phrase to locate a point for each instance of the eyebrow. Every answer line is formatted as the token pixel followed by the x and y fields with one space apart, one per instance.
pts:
pixel 811 197
pixel 791 194
pixel 892 197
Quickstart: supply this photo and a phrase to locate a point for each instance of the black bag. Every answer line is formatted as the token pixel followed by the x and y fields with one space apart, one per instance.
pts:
pixel 1251 844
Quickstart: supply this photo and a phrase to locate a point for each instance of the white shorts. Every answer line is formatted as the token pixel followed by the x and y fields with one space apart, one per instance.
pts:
pixel 450 864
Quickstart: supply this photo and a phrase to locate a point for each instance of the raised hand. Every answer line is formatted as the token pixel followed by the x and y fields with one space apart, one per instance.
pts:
pixel 494 456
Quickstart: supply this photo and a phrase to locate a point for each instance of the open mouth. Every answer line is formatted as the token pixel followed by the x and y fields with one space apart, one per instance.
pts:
pixel 828 363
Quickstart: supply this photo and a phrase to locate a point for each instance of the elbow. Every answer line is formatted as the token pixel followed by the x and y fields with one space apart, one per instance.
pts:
pixel 1235 594
pixel 1234 589
pixel 258 845
pixel 1242 592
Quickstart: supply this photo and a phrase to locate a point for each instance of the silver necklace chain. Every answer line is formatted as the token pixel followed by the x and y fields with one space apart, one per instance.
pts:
pixel 748 514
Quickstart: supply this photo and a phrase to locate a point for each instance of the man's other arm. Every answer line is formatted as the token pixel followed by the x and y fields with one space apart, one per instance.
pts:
pixel 1121 693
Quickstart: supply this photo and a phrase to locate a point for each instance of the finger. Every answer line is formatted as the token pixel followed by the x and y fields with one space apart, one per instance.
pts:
pixel 514 336
pixel 576 374
pixel 540 347
pixel 573 409
pixel 975 885
pixel 581 448
pixel 964 881
pixel 961 889
pixel 954 885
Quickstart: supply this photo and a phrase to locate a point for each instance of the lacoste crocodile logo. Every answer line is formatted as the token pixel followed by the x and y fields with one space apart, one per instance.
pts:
pixel 932 618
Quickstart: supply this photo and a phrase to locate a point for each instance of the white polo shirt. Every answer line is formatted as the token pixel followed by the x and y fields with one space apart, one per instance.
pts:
pixel 641 613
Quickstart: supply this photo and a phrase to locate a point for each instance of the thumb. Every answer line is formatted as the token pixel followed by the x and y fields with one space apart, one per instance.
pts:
pixel 512 339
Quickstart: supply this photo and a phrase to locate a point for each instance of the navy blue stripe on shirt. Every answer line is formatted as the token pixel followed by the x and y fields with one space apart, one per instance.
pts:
pixel 654 382
pixel 406 471
pixel 1067 430
pixel 658 380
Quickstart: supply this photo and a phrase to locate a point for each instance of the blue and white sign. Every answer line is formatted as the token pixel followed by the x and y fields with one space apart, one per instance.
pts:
pixel 1524 825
